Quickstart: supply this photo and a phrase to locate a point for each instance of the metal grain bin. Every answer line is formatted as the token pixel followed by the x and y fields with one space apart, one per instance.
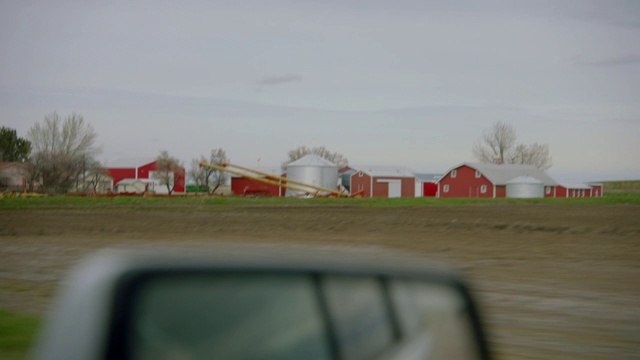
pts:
pixel 313 170
pixel 525 187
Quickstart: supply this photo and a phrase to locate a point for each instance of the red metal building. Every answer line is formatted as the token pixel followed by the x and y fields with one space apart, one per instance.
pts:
pixel 488 180
pixel 579 190
pixel 245 186
pixel 143 169
pixel 383 181
pixel 597 189
pixel 427 185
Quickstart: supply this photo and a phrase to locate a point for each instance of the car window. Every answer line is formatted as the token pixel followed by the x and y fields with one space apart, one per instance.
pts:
pixel 436 314
pixel 359 315
pixel 235 316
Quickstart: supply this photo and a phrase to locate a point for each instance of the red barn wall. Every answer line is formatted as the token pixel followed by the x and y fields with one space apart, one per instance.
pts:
pixel 246 186
pixel 361 183
pixel 143 171
pixel 121 174
pixel 597 190
pixel 561 191
pixel 549 191
pixel 429 189
pixel 407 187
pixel 465 185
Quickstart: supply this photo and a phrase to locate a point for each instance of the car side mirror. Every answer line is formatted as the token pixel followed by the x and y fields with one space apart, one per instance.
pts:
pixel 241 304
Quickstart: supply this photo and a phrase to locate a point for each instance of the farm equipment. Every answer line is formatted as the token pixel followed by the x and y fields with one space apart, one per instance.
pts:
pixel 257 175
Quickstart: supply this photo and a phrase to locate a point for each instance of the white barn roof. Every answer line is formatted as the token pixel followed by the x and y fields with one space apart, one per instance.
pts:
pixel 386 171
pixel 131 181
pixel 578 186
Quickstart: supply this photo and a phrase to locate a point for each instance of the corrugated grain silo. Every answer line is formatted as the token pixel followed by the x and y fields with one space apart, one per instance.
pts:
pixel 525 187
pixel 312 170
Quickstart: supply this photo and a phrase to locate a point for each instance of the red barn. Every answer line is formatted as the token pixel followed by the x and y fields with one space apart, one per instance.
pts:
pixel 579 190
pixel 427 185
pixel 597 189
pixel 488 180
pixel 383 181
pixel 142 169
pixel 241 185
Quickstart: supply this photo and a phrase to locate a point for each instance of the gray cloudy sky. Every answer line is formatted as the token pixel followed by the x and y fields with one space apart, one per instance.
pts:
pixel 411 83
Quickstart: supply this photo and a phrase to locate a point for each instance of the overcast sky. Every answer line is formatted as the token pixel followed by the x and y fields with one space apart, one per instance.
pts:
pixel 410 83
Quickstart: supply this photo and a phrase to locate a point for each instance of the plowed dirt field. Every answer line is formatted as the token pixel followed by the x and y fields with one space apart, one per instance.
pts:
pixel 554 281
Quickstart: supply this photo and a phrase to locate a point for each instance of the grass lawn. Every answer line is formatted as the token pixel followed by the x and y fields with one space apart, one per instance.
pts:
pixel 195 202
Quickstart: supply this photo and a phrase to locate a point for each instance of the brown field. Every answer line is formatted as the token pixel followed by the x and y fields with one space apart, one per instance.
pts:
pixel 553 281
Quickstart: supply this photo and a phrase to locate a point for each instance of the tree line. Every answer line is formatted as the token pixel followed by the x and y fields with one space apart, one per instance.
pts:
pixel 60 155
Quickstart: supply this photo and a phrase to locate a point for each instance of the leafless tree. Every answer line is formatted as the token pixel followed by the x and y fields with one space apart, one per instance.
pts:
pixel 321 151
pixel 207 177
pixel 498 145
pixel 168 169
pixel 534 154
pixel 59 150
pixel 92 176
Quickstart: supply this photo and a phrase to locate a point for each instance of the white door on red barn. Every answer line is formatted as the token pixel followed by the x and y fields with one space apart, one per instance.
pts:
pixel 395 189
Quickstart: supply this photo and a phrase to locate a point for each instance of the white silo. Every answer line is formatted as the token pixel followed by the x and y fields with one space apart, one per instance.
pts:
pixel 525 187
pixel 312 170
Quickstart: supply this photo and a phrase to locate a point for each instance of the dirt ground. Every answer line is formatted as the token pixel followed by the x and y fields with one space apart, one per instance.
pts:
pixel 553 281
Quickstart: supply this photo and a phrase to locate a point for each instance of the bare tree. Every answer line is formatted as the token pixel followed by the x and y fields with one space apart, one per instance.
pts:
pixel 92 177
pixel 207 177
pixel 534 154
pixel 168 169
pixel 321 151
pixel 59 150
pixel 498 145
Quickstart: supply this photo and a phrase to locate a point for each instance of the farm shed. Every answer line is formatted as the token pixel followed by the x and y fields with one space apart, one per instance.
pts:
pixel 137 186
pixel 427 184
pixel 488 180
pixel 244 185
pixel 567 190
pixel 143 169
pixel 384 181
pixel 597 189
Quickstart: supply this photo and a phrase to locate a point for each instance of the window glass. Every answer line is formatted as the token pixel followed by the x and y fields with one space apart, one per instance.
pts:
pixel 446 188
pixel 234 316
pixel 436 315
pixel 483 189
pixel 454 173
pixel 359 315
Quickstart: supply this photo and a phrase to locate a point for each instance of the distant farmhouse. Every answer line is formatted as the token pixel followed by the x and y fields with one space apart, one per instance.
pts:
pixel 14 176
